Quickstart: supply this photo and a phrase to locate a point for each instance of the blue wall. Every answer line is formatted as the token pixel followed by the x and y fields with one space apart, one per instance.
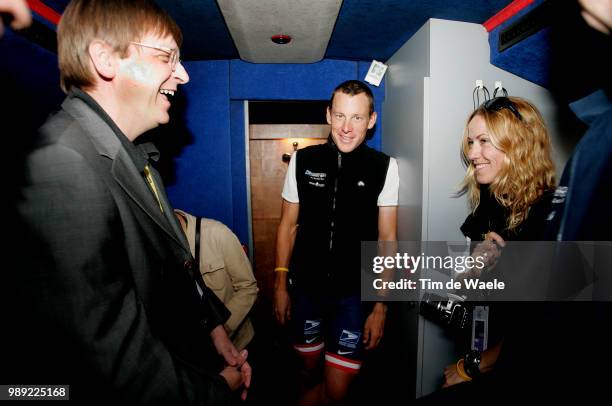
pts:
pixel 30 82
pixel 239 180
pixel 203 180
pixel 530 58
pixel 30 79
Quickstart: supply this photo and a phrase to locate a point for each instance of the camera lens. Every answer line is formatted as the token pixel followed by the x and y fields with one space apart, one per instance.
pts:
pixel 449 311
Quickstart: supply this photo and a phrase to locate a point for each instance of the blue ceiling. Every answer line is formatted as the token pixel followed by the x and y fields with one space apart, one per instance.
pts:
pixel 375 29
pixel 365 29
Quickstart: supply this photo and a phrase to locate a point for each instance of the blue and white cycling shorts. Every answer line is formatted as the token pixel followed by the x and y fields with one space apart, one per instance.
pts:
pixel 331 324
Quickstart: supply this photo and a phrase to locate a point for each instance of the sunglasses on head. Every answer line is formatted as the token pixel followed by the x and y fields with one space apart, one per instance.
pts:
pixel 500 103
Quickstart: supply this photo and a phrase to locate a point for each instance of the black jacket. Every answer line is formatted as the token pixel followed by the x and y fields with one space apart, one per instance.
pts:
pixel 338 195
pixel 102 295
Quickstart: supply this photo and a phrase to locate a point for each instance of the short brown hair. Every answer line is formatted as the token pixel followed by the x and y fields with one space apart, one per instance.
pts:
pixel 115 21
pixel 353 88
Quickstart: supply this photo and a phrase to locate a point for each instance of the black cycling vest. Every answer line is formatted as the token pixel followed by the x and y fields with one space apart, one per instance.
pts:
pixel 338 195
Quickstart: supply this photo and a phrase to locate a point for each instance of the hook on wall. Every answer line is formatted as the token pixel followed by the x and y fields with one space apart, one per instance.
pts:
pixel 478 90
pixel 501 89
pixel 286 156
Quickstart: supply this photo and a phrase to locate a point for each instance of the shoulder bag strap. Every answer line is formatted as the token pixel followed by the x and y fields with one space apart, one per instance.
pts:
pixel 196 246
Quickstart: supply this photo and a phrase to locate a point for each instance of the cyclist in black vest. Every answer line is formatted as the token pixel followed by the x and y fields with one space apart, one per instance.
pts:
pixel 335 195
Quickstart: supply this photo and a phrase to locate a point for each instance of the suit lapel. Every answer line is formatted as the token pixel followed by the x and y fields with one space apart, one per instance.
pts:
pixel 170 212
pixel 123 170
pixel 130 180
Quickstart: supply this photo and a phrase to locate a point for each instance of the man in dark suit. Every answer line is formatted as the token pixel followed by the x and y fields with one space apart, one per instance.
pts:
pixel 104 296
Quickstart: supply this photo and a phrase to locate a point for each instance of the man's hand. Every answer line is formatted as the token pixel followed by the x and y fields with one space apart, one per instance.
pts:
pixel 374 326
pixel 238 376
pixel 224 346
pixel 238 372
pixel 282 305
pixel 18 10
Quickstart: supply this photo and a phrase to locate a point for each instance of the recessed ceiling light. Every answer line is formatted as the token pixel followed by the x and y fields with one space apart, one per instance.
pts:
pixel 252 22
pixel 281 39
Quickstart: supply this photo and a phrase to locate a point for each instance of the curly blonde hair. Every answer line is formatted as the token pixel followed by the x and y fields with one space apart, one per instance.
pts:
pixel 527 171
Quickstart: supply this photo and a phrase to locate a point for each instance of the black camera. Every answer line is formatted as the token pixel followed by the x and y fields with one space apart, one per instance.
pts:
pixel 451 311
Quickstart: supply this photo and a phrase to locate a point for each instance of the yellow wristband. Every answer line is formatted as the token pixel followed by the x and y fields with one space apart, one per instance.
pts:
pixel 461 371
pixel 281 269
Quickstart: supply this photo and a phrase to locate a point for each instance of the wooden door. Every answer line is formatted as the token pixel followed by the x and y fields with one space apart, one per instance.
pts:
pixel 267 144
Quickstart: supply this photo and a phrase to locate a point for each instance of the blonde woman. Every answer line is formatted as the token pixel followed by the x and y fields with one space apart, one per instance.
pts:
pixel 510 174
pixel 509 182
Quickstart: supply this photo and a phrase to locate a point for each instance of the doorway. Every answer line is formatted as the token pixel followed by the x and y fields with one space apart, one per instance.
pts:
pixel 270 146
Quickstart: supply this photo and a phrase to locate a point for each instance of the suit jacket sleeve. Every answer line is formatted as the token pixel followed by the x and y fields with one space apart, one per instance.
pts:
pixel 78 289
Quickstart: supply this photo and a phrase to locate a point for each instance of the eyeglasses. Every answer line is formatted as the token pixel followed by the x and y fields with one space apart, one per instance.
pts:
pixel 500 103
pixel 174 55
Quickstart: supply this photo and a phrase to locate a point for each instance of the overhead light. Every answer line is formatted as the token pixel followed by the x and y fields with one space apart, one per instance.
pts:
pixel 251 23
pixel 281 39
